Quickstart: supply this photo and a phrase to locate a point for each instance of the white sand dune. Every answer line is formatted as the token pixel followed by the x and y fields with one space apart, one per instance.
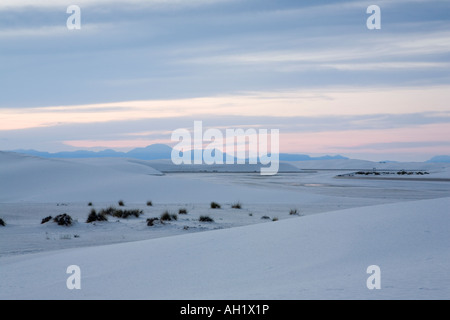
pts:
pixel 33 179
pixel 322 255
pixel 317 257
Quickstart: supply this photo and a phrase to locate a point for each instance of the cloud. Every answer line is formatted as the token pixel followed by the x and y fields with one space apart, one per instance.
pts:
pixel 386 66
pixel 115 144
pixel 128 52
pixel 356 51
pixel 49 31
pixel 400 145
pixel 20 4
pixel 296 103
pixel 125 125
pixel 430 138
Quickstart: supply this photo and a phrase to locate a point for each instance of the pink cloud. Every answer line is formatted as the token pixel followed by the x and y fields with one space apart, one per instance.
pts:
pixel 115 144
pixel 360 140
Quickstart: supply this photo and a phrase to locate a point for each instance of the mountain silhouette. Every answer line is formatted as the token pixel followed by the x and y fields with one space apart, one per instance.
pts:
pixel 155 152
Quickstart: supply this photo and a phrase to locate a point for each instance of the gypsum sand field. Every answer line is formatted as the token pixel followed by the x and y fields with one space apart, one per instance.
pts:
pixel 76 183
pixel 311 193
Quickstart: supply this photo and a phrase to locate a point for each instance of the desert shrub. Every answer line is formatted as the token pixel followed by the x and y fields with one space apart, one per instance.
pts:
pixel 206 219
pixel 121 203
pixel 182 211
pixel 46 219
pixel 151 221
pixel 149 204
pixel 119 213
pixel 2 222
pixel 63 219
pixel 127 213
pixel 236 205
pixel 265 217
pixel 108 211
pixel 167 216
pixel 94 216
pixel 293 212
pixel 215 205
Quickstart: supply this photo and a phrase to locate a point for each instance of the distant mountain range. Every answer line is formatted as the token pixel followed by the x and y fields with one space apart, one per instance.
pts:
pixel 152 152
pixel 440 159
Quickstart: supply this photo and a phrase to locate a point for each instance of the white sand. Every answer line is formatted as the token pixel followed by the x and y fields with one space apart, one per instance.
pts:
pixel 347 226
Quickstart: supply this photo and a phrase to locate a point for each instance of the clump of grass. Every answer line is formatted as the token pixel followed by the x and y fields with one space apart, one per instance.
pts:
pixel 151 221
pixel 119 213
pixel 63 220
pixel 215 205
pixel 127 213
pixel 108 211
pixel 236 205
pixel 2 222
pixel 206 219
pixel 275 219
pixel 46 219
pixel 265 217
pixel 94 216
pixel 182 211
pixel 149 203
pixel 121 203
pixel 167 216
pixel 294 212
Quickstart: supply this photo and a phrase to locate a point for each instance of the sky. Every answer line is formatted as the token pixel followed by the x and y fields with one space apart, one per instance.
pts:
pixel 138 70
